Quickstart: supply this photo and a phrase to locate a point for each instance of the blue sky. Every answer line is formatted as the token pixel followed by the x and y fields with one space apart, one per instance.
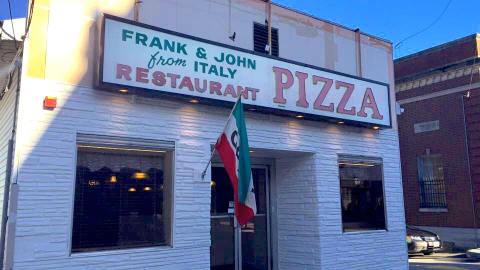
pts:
pixel 392 20
pixel 396 20
pixel 19 9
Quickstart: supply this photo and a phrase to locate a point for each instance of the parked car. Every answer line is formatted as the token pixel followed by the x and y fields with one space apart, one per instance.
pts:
pixel 421 241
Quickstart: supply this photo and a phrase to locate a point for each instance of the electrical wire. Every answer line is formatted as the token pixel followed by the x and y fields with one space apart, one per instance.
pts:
pixel 13 28
pixel 15 61
pixel 426 28
pixel 5 32
pixel 30 16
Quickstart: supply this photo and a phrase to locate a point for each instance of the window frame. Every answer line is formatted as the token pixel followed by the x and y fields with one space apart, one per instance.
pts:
pixel 368 160
pixel 126 143
pixel 425 207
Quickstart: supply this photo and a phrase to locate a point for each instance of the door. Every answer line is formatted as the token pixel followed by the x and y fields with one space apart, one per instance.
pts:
pixel 235 248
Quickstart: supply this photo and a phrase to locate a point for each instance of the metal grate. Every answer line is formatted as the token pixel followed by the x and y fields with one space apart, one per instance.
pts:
pixel 432 182
pixel 260 39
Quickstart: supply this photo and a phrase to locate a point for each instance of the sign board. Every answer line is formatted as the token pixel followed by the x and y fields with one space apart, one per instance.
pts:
pixel 144 57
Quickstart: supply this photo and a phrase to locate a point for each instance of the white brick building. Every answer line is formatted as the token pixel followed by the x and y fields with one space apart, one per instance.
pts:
pixel 78 169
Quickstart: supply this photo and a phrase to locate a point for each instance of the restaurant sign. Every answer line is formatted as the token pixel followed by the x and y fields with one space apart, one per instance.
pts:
pixel 139 56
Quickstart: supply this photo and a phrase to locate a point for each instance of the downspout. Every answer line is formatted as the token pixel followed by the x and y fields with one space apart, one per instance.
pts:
pixel 136 10
pixel 8 173
pixel 358 52
pixel 474 211
pixel 270 27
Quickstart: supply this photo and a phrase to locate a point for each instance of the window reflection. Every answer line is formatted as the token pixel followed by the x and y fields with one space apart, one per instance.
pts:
pixel 120 199
pixel 362 196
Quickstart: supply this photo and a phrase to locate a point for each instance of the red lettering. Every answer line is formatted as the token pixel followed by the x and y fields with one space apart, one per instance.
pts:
pixel 280 85
pixel 241 91
pixel 159 78
pixel 346 97
pixel 142 75
pixel 369 102
pixel 173 79
pixel 201 89
pixel 230 90
pixel 254 92
pixel 327 85
pixel 186 82
pixel 216 87
pixel 302 96
pixel 124 71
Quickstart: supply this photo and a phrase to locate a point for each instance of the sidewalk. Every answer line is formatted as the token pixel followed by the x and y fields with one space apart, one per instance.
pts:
pixel 442 261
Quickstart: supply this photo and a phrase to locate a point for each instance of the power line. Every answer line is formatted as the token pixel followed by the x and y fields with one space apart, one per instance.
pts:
pixel 5 32
pixel 11 20
pixel 426 28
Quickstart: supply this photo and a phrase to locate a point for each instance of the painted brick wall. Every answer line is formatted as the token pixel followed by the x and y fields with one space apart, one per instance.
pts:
pixel 308 192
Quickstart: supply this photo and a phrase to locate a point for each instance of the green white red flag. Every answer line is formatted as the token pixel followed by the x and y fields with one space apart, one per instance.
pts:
pixel 232 146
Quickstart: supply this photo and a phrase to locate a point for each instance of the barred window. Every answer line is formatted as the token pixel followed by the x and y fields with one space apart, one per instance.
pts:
pixel 431 180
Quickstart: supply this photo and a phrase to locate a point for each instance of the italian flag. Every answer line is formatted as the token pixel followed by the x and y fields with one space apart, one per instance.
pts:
pixel 232 146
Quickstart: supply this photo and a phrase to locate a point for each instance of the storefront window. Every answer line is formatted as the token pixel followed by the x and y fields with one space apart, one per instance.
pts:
pixel 123 198
pixel 361 183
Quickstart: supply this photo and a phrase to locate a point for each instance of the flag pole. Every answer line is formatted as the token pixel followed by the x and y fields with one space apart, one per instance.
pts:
pixel 213 152
pixel 208 164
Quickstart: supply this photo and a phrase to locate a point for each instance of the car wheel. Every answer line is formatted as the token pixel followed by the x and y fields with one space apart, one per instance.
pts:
pixel 427 252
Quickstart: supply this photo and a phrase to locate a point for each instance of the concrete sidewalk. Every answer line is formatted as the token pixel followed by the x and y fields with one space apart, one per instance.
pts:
pixel 447 261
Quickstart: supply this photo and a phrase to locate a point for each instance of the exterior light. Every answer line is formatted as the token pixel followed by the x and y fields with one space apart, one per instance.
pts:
pixel 113 179
pixel 124 91
pixel 376 127
pixel 213 184
pixel 340 122
pixel 251 151
pixel 132 189
pixel 194 101
pixel 300 116
pixel 140 175
pixel 147 189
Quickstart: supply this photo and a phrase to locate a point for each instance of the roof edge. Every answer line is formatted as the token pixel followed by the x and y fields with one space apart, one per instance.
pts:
pixel 438 47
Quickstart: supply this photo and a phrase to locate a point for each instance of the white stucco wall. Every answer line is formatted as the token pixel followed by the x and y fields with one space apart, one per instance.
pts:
pixel 308 195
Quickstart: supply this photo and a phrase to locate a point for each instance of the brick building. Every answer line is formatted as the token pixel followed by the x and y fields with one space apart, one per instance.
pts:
pixel 439 91
pixel 111 120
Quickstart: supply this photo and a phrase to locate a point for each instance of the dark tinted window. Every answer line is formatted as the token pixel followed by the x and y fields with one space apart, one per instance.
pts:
pixel 122 199
pixel 362 196
pixel 260 39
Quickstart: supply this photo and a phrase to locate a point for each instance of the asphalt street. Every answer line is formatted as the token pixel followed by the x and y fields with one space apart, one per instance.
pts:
pixel 442 261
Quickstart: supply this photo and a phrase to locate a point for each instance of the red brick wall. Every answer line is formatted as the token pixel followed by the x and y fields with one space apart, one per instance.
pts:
pixel 449 141
pixel 435 58
pixel 472 111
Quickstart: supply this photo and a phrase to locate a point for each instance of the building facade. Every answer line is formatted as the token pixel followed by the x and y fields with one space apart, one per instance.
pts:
pixel 438 90
pixel 120 104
